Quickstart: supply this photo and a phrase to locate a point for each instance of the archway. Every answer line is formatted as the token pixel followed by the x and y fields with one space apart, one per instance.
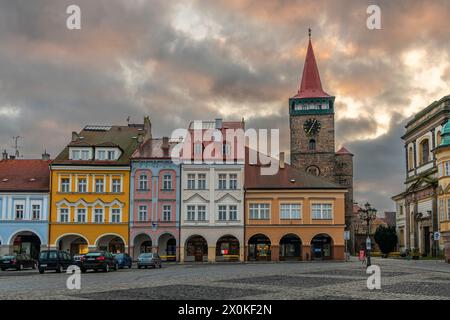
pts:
pixel 259 248
pixel 196 249
pixel 322 247
pixel 111 243
pixel 26 242
pixel 290 247
pixel 227 248
pixel 73 244
pixel 142 244
pixel 167 247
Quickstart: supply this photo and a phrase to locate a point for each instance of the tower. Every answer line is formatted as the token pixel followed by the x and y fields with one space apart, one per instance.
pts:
pixel 311 116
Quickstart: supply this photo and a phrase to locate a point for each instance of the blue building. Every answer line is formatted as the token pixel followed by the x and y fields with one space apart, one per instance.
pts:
pixel 24 205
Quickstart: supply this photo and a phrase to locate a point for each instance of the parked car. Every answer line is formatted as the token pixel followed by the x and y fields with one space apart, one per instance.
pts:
pixel 77 259
pixel 54 260
pixel 100 260
pixel 17 261
pixel 146 260
pixel 124 260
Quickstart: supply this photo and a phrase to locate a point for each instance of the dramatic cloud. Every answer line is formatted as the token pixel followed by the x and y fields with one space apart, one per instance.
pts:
pixel 183 60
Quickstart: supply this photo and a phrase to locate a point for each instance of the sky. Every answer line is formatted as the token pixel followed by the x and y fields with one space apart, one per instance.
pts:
pixel 178 61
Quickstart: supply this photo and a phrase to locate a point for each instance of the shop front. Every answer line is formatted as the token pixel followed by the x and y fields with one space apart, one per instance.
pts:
pixel 259 248
pixel 227 249
pixel 321 247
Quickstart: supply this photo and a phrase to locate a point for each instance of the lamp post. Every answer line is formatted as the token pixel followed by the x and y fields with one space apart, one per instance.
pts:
pixel 367 214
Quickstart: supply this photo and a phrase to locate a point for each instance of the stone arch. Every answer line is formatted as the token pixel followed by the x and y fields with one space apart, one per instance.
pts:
pixel 196 248
pixel 259 247
pixel 290 247
pixel 228 248
pixel 322 246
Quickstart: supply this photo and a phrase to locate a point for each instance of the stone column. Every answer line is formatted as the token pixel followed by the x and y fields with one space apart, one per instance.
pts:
pixel 275 253
pixel 181 253
pixel 306 252
pixel 446 238
pixel 212 254
pixel 177 253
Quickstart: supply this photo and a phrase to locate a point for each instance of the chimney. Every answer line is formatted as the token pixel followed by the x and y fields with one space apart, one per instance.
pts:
pixel 45 156
pixel 12 157
pixel 281 160
pixel 165 146
pixel 140 137
pixel 218 123
pixel 75 136
pixel 5 155
pixel 147 128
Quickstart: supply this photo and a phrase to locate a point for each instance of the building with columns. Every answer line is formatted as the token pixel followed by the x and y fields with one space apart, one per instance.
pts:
pixel 417 205
pixel 212 199
pixel 155 200
pixel 442 154
pixel 90 188
pixel 292 215
pixel 24 205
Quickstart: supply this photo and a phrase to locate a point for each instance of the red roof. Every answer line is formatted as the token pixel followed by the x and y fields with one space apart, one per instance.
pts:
pixel 25 175
pixel 311 86
pixel 344 150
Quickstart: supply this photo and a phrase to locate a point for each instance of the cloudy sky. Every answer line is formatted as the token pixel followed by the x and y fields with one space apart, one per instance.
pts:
pixel 183 60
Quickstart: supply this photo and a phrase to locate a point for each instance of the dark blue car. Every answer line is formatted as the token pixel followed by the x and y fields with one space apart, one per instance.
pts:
pixel 124 260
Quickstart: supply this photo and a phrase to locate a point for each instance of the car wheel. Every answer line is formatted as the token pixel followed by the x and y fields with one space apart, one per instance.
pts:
pixel 41 271
pixel 59 269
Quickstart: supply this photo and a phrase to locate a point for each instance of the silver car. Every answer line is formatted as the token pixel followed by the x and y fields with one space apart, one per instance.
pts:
pixel 146 260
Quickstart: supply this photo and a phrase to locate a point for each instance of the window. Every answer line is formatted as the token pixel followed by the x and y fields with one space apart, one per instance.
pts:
pixel 438 138
pixel 232 212
pixel 75 154
pixel 191 181
pixel 85 154
pixel 448 209
pixel 441 210
pixel 64 215
pixel 142 213
pixel 259 211
pixel 65 185
pixel 167 212
pixel 116 185
pixel 190 213
pixel 222 213
pixel 143 182
pixel 322 211
pixel 312 144
pixel 101 155
pixel 115 215
pixel 36 211
pixel 111 155
pixel 19 211
pixel 447 168
pixel 233 181
pixel 202 181
pixel 440 173
pixel 98 215
pixel 82 185
pixel 81 215
pixel 410 158
pixel 167 182
pixel 201 213
pixel 99 185
pixel 198 149
pixel 290 211
pixel 424 151
pixel 222 181
pixel 226 149
pixel 313 170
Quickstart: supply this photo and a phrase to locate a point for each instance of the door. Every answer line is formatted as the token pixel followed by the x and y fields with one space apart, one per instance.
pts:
pixel 426 240
pixel 198 254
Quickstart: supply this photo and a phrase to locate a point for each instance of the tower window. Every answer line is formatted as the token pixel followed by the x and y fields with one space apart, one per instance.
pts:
pixel 424 151
pixel 313 170
pixel 312 144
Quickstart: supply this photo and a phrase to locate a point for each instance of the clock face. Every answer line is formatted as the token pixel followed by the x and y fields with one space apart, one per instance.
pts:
pixel 312 127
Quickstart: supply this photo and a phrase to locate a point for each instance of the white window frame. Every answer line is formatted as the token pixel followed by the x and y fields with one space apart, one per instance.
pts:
pixel 33 211
pixel 22 210
pixel 233 181
pixel 115 212
pixel 447 168
pixel 222 212
pixel 201 212
pixel 102 185
pixel 222 181
pixel 95 215
pixel 114 185
pixel 79 184
pixel 79 213
pixel 259 211
pixel 202 180
pixel 167 181
pixel 143 182
pixel 190 181
pixel 190 212
pixel 167 212
pixel 63 184
pixel 233 212
pixel 319 211
pixel 290 209
pixel 66 214
pixel 142 213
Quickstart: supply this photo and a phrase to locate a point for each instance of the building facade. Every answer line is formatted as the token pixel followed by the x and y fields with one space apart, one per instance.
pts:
pixel 292 215
pixel 24 205
pixel 90 184
pixel 416 207
pixel 155 200
pixel 312 134
pixel 212 202
pixel 442 154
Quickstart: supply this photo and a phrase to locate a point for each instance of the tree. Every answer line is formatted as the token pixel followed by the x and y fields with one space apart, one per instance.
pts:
pixel 386 238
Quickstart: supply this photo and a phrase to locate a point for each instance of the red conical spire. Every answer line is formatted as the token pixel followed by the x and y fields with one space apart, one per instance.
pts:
pixel 311 86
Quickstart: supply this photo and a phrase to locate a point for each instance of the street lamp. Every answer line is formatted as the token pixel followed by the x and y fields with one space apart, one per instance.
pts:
pixel 367 214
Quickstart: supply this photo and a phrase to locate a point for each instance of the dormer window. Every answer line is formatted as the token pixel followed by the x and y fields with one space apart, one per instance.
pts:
pixel 101 155
pixel 80 153
pixel 85 154
pixel 76 155
pixel 111 155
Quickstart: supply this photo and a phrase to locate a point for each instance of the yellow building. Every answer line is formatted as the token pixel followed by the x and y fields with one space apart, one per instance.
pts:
pixel 442 153
pixel 90 183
